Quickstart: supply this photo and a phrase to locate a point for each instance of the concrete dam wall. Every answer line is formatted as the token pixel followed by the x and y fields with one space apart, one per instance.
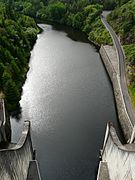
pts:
pixel 14 161
pixel 119 159
pixel 111 64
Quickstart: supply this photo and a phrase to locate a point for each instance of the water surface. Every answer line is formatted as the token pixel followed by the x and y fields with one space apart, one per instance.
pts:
pixel 68 98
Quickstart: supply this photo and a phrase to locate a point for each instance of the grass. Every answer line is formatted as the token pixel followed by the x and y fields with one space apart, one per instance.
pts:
pixel 130 52
pixel 131 90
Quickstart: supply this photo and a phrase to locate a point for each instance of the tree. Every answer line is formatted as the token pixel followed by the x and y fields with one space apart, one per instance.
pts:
pixel 55 11
pixel 12 94
pixel 1 73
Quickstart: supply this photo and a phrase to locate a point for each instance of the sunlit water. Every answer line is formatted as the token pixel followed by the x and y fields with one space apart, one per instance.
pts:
pixel 68 98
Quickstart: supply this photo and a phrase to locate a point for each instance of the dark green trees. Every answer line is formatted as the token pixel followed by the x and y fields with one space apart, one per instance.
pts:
pixel 17 35
pixel 55 12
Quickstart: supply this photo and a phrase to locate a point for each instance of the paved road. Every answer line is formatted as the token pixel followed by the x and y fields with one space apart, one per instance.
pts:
pixel 123 82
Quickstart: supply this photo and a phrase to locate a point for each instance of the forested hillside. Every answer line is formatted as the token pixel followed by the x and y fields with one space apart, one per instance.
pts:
pixel 17 35
pixel 79 14
pixel 123 21
pixel 18 32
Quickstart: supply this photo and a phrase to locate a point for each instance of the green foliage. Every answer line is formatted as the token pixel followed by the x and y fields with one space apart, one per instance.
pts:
pixel 99 34
pixel 130 53
pixel 109 5
pixel 123 21
pixel 79 14
pixel 76 21
pixel 130 62
pixel 55 12
pixel 12 94
pixel 1 72
pixel 78 5
pixel 131 90
pixel 17 34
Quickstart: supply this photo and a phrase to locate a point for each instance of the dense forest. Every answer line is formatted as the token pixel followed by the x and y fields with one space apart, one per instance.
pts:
pixel 123 21
pixel 18 32
pixel 83 15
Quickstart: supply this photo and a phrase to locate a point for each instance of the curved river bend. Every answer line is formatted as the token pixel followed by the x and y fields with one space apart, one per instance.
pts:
pixel 68 98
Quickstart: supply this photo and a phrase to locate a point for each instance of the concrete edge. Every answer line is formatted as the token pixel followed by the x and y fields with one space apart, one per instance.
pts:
pixel 103 172
pixel 25 135
pixel 114 77
pixel 111 131
pixel 33 171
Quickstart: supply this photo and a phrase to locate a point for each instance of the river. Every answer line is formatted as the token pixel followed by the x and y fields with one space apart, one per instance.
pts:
pixel 68 98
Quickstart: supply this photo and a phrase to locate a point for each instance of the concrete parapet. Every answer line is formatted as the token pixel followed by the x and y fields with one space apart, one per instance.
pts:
pixel 120 159
pixel 113 72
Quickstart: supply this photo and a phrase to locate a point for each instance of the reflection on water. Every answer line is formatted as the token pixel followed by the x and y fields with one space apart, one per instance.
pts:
pixel 68 99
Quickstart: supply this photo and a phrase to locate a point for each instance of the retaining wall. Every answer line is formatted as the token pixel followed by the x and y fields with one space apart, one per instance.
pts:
pixel 124 120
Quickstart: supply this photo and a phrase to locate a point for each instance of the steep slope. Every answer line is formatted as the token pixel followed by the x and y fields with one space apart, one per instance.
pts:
pixel 123 21
pixel 17 36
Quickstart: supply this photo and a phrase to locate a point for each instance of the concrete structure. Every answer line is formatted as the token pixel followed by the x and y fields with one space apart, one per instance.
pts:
pixel 125 100
pixel 33 171
pixel 16 160
pixel 103 172
pixel 110 61
pixel 119 159
pixel 5 127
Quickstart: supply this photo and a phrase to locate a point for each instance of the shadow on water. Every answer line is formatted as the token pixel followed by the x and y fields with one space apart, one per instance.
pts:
pixel 17 114
pixel 71 33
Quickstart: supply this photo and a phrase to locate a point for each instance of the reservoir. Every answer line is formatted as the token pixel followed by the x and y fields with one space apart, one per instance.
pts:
pixel 68 98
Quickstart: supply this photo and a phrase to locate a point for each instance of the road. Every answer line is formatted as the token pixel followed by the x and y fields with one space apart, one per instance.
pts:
pixel 121 59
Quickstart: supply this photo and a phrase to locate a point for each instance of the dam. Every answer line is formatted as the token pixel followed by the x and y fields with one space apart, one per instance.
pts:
pixel 117 159
pixel 17 161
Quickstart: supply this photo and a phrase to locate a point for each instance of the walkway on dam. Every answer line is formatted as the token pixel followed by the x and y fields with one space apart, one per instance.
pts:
pixel 122 76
